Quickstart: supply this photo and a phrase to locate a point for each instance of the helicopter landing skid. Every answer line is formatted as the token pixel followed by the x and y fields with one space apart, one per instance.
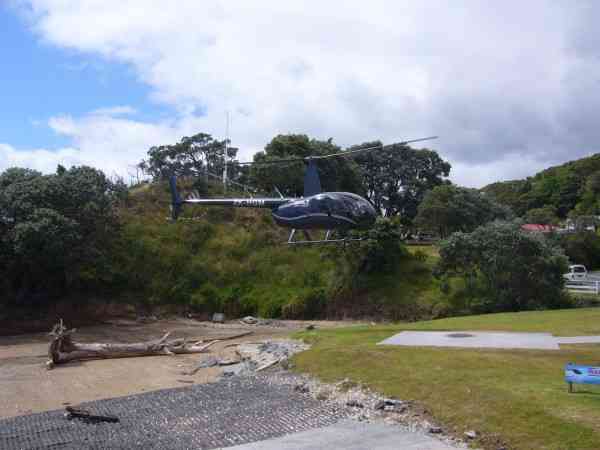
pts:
pixel 327 239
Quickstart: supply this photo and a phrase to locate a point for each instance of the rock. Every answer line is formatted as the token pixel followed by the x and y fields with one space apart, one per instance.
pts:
pixel 435 430
pixel 302 388
pixel 345 385
pixel 323 394
pixel 218 318
pixel 242 368
pixel 471 434
pixel 379 405
pixel 228 361
pixel 209 362
pixel 353 403
pixel 310 327
pixel 249 320
pixel 146 319
pixel 395 408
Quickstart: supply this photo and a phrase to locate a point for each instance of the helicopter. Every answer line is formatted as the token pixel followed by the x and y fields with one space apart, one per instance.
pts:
pixel 333 212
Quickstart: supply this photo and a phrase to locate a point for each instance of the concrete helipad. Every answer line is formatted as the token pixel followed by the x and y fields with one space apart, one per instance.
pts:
pixel 485 339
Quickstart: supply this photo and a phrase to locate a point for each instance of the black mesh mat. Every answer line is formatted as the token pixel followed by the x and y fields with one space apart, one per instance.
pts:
pixel 230 412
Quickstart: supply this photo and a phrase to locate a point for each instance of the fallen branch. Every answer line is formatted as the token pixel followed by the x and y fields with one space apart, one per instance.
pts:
pixel 63 349
pixel 235 336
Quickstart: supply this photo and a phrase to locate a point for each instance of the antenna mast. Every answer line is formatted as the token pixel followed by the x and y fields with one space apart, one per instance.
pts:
pixel 226 147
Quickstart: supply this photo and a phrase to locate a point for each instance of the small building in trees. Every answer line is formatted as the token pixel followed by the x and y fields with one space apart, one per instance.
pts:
pixel 539 228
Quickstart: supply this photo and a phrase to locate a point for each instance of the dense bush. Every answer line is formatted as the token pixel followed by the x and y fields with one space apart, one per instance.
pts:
pixel 448 208
pixel 504 268
pixel 56 232
pixel 582 248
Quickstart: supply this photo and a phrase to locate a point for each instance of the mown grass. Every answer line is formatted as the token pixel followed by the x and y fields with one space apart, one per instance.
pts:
pixel 518 395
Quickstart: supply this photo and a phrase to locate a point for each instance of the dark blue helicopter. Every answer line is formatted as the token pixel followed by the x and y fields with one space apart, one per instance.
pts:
pixel 316 210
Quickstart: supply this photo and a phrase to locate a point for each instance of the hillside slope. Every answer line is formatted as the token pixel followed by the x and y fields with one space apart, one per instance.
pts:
pixel 235 261
pixel 572 187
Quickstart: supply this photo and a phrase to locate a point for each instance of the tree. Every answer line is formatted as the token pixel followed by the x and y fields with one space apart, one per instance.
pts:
pixel 397 177
pixel 582 248
pixel 336 174
pixel 505 268
pixel 448 208
pixel 56 230
pixel 544 216
pixel 191 156
pixel 590 199
pixel 510 194
pixel 381 253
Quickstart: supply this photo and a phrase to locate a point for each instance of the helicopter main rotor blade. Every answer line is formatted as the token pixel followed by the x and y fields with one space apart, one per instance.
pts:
pixel 268 162
pixel 331 155
pixel 368 149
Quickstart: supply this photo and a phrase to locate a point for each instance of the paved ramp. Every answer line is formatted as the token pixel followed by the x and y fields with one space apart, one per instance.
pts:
pixel 239 413
pixel 204 416
pixel 485 339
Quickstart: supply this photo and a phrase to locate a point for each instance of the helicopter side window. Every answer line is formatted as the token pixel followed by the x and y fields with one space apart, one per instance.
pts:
pixel 314 205
pixel 338 206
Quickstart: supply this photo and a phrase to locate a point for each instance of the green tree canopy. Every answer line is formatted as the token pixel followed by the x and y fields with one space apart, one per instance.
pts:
pixel 544 216
pixel 590 198
pixel 397 177
pixel 56 229
pixel 506 269
pixel 191 156
pixel 448 208
pixel 582 248
pixel 336 174
pixel 510 194
pixel 570 188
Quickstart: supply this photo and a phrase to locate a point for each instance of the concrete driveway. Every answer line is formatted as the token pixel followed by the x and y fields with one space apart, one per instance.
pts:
pixel 350 435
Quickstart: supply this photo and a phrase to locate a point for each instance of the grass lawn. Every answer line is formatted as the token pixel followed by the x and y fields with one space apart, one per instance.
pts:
pixel 518 395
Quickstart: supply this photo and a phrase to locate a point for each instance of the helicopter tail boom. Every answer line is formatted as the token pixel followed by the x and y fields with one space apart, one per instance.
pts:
pixel 263 202
pixel 254 202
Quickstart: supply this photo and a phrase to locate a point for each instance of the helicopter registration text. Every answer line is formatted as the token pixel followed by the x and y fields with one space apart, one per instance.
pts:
pixel 249 202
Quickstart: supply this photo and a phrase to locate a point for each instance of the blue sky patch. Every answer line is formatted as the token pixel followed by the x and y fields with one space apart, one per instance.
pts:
pixel 39 81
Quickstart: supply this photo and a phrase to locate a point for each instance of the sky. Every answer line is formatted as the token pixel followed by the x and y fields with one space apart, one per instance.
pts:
pixel 509 87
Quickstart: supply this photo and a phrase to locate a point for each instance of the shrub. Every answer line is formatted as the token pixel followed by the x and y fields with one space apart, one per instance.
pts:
pixel 505 269
pixel 582 248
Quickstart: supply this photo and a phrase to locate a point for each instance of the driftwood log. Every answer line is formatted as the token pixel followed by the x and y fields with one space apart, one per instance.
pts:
pixel 63 349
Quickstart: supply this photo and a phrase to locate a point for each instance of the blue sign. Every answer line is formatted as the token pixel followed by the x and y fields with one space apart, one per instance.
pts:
pixel 582 374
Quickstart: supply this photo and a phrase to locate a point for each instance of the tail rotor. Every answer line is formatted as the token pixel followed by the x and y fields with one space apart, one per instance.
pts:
pixel 176 202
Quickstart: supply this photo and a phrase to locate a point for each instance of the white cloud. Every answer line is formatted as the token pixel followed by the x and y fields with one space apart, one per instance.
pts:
pixel 116 144
pixel 122 110
pixel 38 159
pixel 113 144
pixel 509 167
pixel 489 78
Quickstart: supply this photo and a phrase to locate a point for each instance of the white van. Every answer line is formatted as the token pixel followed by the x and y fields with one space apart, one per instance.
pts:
pixel 577 272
